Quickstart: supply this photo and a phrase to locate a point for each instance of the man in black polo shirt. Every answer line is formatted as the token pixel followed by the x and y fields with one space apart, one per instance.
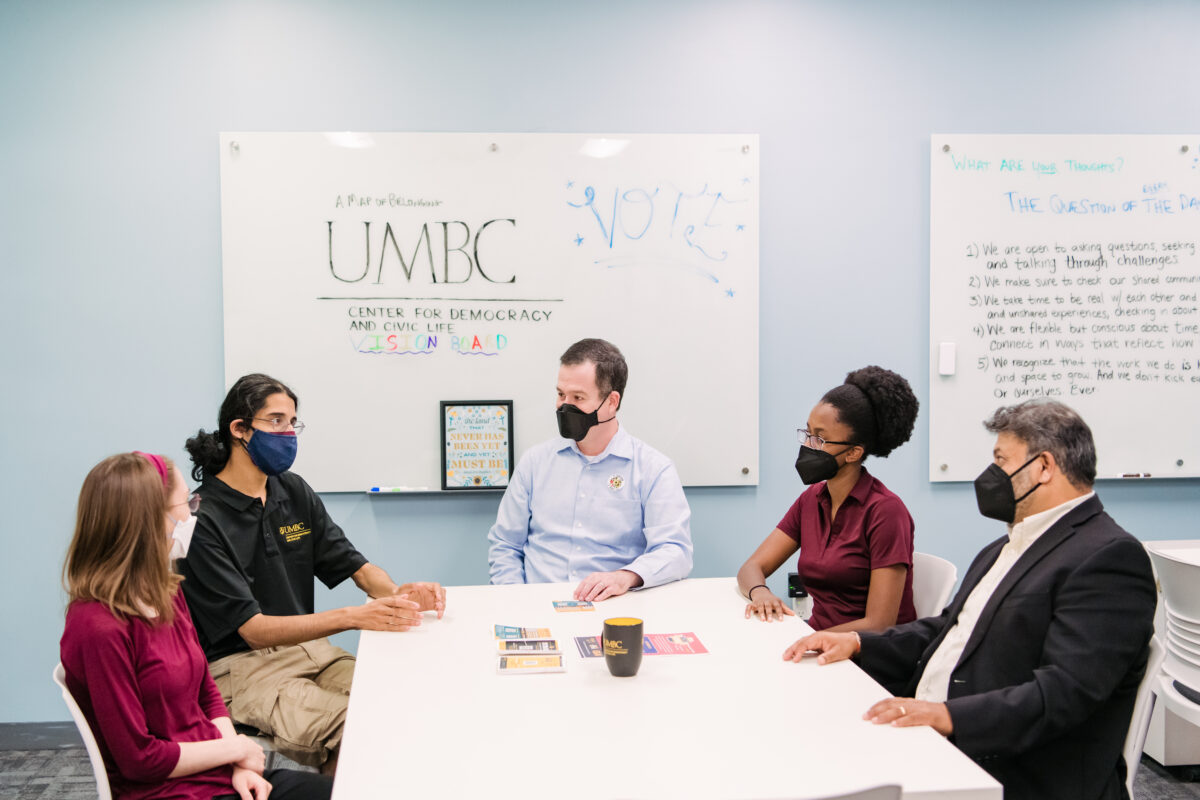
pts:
pixel 262 536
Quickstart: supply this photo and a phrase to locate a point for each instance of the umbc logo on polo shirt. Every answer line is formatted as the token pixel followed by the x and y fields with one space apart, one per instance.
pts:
pixel 291 533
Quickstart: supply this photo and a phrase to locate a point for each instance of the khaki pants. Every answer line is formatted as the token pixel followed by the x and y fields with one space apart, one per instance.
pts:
pixel 295 694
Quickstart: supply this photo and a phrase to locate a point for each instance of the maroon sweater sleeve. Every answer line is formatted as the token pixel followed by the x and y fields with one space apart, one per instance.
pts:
pixel 98 652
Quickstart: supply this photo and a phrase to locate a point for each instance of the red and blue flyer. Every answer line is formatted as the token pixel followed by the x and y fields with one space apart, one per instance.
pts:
pixel 653 644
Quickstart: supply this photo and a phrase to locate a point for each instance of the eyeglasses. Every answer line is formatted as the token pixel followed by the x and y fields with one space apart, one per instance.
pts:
pixel 280 424
pixel 814 441
pixel 193 503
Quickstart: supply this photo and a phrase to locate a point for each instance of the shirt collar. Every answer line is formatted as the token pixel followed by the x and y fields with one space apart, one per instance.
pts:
pixel 860 491
pixel 218 489
pixel 1026 532
pixel 621 446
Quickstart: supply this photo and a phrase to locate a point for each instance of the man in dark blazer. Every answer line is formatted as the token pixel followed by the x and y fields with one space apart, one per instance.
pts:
pixel 1033 668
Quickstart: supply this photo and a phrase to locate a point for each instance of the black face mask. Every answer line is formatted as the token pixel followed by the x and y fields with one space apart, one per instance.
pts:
pixel 994 492
pixel 816 465
pixel 574 423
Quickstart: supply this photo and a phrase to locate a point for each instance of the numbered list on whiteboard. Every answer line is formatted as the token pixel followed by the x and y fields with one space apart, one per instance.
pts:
pixel 1065 267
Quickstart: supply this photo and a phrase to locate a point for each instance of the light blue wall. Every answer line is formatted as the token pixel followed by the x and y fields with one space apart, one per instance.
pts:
pixel 110 228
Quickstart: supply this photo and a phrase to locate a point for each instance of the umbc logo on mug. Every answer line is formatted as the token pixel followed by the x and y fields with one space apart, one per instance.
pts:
pixel 614 647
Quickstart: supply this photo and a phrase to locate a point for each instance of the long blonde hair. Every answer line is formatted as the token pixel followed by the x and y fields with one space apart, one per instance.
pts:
pixel 119 555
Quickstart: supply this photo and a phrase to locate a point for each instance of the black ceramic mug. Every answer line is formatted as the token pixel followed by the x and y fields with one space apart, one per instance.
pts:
pixel 622 642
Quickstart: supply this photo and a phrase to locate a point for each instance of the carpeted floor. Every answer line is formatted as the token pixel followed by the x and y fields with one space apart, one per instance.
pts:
pixel 67 775
pixel 60 774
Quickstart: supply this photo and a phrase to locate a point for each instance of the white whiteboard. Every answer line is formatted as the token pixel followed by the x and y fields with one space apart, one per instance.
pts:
pixel 380 273
pixel 1067 266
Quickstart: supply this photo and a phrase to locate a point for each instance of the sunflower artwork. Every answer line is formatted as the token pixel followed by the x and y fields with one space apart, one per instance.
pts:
pixel 477 446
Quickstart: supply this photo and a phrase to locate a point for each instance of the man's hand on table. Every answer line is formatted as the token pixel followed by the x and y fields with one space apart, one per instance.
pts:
pixel 603 585
pixel 392 613
pixel 831 647
pixel 905 712
pixel 427 595
pixel 902 712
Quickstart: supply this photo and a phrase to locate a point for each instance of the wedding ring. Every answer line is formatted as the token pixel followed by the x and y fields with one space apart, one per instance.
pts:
pixel 903 713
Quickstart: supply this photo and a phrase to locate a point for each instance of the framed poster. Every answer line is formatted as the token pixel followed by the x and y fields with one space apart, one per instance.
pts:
pixel 477 444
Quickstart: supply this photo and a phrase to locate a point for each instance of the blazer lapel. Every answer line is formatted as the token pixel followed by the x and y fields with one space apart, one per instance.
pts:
pixel 974 576
pixel 987 557
pixel 1058 533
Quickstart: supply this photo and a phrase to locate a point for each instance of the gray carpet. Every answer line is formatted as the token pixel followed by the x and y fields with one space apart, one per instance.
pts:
pixel 60 774
pixel 66 774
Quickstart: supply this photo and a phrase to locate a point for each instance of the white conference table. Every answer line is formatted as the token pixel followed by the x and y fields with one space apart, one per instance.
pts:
pixel 430 717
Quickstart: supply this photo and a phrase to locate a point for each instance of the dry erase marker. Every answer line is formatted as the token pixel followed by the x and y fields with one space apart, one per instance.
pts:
pixel 383 489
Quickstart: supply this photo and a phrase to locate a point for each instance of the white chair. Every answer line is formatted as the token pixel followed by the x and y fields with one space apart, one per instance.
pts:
pixel 1178 569
pixel 85 731
pixel 933 580
pixel 1143 708
pixel 1173 700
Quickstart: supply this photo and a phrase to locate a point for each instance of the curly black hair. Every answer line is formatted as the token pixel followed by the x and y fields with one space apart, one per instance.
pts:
pixel 878 405
pixel 210 451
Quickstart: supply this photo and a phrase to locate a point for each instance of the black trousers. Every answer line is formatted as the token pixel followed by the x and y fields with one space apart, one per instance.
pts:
pixel 288 784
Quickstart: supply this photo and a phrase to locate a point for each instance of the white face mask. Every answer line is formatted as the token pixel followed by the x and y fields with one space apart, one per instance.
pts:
pixel 181 537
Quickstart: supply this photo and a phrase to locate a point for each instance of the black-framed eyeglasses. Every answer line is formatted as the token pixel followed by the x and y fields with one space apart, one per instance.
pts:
pixel 279 424
pixel 812 440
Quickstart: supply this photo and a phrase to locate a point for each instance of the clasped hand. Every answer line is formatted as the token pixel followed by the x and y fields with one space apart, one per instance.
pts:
pixel 250 785
pixel 252 757
pixel 391 613
pixel 427 595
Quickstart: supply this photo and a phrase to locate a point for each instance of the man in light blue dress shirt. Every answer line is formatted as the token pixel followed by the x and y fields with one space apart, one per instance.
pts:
pixel 595 505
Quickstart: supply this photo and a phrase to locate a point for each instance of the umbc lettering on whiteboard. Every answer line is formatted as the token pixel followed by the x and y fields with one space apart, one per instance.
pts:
pixel 471 262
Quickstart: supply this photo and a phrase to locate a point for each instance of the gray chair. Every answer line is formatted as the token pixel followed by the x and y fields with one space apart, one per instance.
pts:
pixel 103 790
pixel 1143 709
pixel 264 741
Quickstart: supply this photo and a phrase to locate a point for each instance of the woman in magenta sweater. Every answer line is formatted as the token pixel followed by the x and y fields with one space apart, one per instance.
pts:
pixel 130 653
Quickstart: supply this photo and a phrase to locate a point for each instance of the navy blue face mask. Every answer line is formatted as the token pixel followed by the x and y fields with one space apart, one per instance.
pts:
pixel 273 453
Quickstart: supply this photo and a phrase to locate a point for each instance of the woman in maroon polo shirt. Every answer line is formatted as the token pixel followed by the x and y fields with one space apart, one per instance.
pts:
pixel 131 656
pixel 854 536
